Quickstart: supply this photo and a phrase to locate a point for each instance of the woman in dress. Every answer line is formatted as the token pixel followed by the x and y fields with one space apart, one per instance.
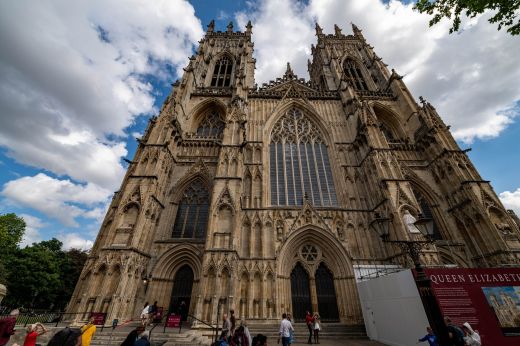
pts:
pixel 87 332
pixel 316 327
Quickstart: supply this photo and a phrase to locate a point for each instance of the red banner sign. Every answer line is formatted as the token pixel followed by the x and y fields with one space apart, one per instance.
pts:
pixel 173 321
pixel 99 318
pixel 488 299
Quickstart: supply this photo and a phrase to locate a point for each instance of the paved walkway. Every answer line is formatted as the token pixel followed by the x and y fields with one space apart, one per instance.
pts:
pixel 336 343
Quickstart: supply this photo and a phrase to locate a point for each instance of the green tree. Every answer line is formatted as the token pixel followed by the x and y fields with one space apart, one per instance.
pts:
pixel 12 229
pixel 506 12
pixel 71 267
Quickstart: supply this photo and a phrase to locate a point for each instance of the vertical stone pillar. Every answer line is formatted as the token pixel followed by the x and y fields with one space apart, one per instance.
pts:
pixel 314 294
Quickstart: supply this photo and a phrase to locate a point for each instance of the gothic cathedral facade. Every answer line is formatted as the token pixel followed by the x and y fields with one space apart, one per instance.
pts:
pixel 263 199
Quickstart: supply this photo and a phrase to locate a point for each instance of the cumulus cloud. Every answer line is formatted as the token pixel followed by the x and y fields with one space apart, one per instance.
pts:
pixel 74 75
pixel 511 200
pixel 75 241
pixel 62 200
pixel 471 77
pixel 32 230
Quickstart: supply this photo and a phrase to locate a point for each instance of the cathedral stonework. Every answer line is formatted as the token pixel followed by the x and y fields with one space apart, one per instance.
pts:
pixel 263 199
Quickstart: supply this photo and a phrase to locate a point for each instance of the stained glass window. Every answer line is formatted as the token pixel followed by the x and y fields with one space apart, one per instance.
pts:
pixel 354 75
pixel 192 214
pixel 299 163
pixel 211 127
pixel 222 72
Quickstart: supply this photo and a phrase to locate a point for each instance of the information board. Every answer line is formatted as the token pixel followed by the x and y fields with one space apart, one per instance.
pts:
pixel 173 321
pixel 99 318
pixel 488 299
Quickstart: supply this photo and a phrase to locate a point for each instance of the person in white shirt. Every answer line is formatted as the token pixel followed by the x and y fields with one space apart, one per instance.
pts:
pixel 285 330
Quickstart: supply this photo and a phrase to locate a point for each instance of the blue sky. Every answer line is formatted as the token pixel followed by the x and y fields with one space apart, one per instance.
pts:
pixel 81 80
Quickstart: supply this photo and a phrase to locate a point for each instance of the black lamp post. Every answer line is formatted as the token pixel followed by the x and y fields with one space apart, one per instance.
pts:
pixel 413 249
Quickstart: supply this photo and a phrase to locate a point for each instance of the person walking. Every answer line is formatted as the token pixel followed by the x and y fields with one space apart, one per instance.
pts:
pixel 33 332
pixel 183 311
pixel 455 334
pixel 430 337
pixel 285 330
pixel 309 322
pixel 152 311
pixel 239 337
pixel 316 327
pixel 246 332
pixel 471 337
pixel 87 332
pixel 133 336
pixel 7 325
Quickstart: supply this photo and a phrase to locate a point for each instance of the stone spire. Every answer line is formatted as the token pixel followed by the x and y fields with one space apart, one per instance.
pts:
pixel 356 30
pixel 337 30
pixel 319 30
pixel 289 74
pixel 211 26
pixel 230 27
pixel 249 27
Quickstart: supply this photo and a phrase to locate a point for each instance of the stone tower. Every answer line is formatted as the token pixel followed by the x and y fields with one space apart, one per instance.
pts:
pixel 263 199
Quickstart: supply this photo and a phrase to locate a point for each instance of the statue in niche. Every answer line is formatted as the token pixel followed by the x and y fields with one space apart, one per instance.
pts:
pixel 409 221
pixel 503 227
pixel 341 232
pixel 279 231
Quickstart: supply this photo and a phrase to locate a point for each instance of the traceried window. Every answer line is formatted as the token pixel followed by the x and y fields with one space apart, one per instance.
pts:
pixel 192 215
pixel 222 72
pixel 211 127
pixel 354 75
pixel 299 163
pixel 427 212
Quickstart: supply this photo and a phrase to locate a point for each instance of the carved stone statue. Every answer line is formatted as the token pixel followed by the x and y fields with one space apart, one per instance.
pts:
pixel 409 221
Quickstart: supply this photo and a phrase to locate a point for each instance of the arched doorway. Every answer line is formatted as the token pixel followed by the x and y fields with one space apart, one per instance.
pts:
pixel 181 291
pixel 327 303
pixel 300 291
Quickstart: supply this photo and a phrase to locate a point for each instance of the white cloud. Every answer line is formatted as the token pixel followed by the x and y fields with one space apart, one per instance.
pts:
pixel 59 199
pixel 511 200
pixel 471 77
pixel 73 73
pixel 75 241
pixel 32 230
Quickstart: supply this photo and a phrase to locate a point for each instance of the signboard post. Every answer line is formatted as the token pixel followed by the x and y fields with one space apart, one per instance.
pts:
pixel 488 299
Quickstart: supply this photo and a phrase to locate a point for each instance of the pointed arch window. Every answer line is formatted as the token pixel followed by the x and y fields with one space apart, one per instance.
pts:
pixel 222 72
pixel 211 127
pixel 299 163
pixel 192 215
pixel 354 75
pixel 427 212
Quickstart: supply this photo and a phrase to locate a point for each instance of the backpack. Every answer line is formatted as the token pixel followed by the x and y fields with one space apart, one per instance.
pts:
pixel 65 337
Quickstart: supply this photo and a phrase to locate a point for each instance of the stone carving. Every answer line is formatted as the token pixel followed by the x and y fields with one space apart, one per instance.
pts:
pixel 409 221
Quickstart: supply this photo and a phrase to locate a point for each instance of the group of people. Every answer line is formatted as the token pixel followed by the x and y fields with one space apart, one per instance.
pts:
pixel 148 313
pixel 233 336
pixel 8 324
pixel 313 323
pixel 458 336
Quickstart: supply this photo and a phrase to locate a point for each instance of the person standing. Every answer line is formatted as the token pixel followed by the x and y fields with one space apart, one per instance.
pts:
pixel 183 311
pixel 87 332
pixel 233 321
pixel 151 313
pixel 309 322
pixel 133 336
pixel 316 327
pixel 285 330
pixel 243 323
pixel 455 334
pixel 143 339
pixel 144 314
pixel 226 328
pixel 430 337
pixel 471 337
pixel 291 338
pixel 33 331
pixel 7 325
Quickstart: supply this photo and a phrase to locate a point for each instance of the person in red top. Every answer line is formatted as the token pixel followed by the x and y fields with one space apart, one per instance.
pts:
pixel 33 331
pixel 310 323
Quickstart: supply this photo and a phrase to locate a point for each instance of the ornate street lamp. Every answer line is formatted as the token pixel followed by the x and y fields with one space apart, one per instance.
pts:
pixel 413 249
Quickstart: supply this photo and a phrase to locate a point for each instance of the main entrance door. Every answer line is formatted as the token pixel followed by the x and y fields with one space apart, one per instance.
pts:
pixel 301 295
pixel 327 304
pixel 181 292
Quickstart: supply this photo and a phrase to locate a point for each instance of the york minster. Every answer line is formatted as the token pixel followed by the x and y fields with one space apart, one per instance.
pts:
pixel 265 198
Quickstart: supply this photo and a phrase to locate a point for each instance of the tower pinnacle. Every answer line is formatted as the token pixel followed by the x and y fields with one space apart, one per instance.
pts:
pixel 230 27
pixel 211 26
pixel 319 30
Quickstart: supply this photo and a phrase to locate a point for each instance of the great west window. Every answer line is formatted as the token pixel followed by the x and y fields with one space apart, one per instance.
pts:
pixel 299 163
pixel 192 214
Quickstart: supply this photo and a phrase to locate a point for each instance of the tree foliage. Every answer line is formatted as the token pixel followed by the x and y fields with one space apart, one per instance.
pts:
pixel 40 276
pixel 506 12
